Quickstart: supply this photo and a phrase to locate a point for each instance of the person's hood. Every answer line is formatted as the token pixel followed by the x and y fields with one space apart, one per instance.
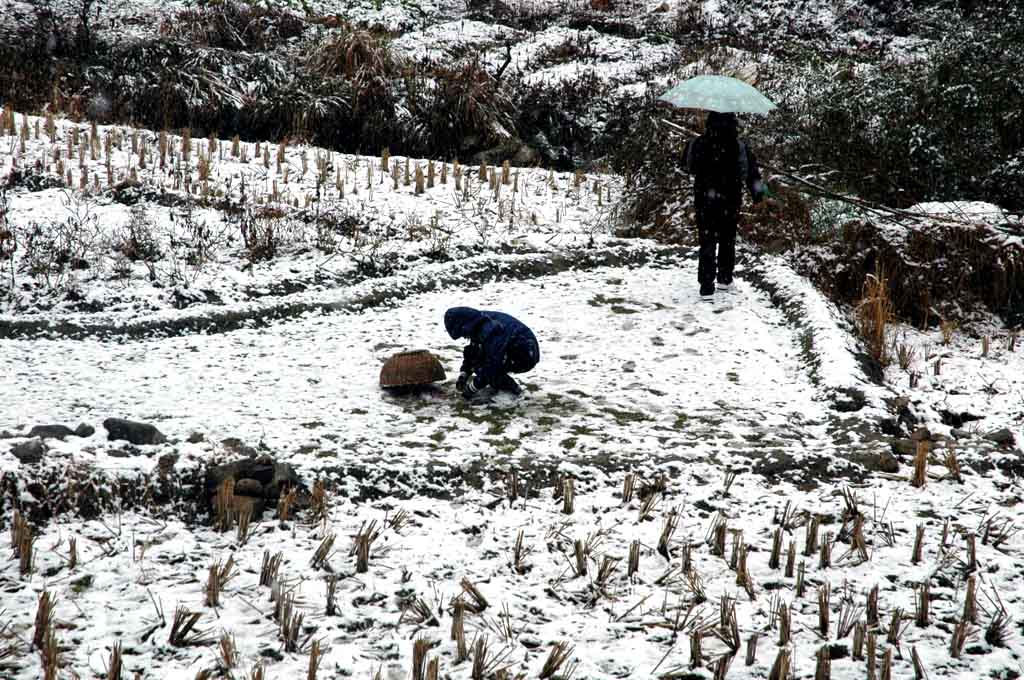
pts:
pixel 460 321
pixel 723 126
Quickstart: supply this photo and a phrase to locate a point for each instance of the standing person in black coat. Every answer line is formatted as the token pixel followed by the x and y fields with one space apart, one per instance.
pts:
pixel 722 165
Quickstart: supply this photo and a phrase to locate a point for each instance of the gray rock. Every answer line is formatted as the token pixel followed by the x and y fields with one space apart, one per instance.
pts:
pixel 196 437
pixel 921 434
pixel 4 434
pixel 273 476
pixel 167 461
pixel 142 434
pixel 84 430
pixel 888 463
pixel 249 487
pixel 236 445
pixel 51 431
pixel 125 452
pixel 1003 437
pixel 904 447
pixel 960 434
pixel 29 452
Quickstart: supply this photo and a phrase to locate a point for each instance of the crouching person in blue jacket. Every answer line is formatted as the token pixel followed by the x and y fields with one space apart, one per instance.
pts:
pixel 499 344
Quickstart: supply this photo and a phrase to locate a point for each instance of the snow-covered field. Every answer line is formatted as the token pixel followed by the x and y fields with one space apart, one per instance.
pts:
pixel 724 412
pixel 242 298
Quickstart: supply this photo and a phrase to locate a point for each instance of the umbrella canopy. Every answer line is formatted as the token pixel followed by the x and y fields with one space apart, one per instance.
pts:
pixel 717 93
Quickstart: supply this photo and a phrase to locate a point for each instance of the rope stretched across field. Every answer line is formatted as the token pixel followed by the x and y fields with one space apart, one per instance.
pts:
pixel 811 188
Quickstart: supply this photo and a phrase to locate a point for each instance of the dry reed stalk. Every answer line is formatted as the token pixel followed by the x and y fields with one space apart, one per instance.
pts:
pixel 917 554
pixel 937 368
pixel 183 631
pixel 114 666
pixel 244 521
pixel 948 328
pixel 519 555
pixel 970 614
pixel 285 500
pixel 213 585
pixel 430 174
pixel 315 657
pixel 224 504
pixel 780 669
pixel 737 542
pixel 895 627
pixel 984 345
pixel 872 607
pixel 282 148
pixel 686 564
pixel 580 554
pixel 823 668
pixel 50 656
pixel 72 553
pixel 824 595
pixel 26 550
pixel 257 672
pixel 716 535
pixel 776 554
pixel 743 577
pixel 952 464
pixel 434 669
pixel 568 496
pixel 228 650
pixel 800 582
pixel 1011 342
pixel 512 485
pixel 920 477
pixel 186 144
pixel 859 634
pixel 479 659
pixel 785 624
pixel 634 559
pixel 628 484
pixel 696 654
pixel 323 552
pixel 923 616
pixel 667 531
pixel 790 560
pixel 444 173
pixel 271 567
pixel 559 654
pixel 825 554
pixel 458 631
pixel 751 657
pixel 477 602
pixel 972 553
pixel 959 638
pixel 811 535
pixel 874 314
pixel 887 665
pixel 331 605
pixel 44 618
pixel 872 656
pixel 419 188
pixel 319 502
pixel 420 647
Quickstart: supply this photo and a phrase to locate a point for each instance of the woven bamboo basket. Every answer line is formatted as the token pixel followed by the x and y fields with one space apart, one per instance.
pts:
pixel 416 367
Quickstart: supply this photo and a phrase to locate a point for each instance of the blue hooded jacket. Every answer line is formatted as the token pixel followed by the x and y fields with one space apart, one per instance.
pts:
pixel 507 343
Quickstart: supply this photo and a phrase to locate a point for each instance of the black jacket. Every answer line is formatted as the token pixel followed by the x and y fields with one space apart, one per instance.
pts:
pixel 722 164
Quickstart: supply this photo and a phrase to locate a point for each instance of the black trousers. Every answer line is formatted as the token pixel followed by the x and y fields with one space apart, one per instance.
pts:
pixel 473 358
pixel 716 232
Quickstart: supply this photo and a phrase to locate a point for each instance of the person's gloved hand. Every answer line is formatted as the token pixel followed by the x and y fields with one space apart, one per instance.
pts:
pixel 460 383
pixel 471 387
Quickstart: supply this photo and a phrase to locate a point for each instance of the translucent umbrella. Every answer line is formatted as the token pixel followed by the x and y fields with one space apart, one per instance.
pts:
pixel 717 93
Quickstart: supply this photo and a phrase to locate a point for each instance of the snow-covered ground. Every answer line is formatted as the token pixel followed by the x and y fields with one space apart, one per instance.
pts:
pixel 733 411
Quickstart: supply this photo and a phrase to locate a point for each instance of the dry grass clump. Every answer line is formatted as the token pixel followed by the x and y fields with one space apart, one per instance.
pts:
pixel 874 314
pixel 353 53
pixel 183 629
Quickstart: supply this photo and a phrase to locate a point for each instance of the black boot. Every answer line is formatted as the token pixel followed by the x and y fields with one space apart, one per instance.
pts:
pixel 507 383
